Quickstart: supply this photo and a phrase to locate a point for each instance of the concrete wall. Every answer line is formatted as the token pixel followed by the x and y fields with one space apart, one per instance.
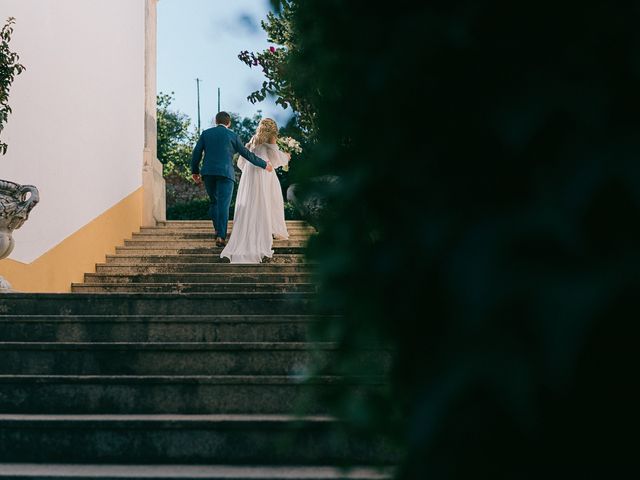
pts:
pixel 78 126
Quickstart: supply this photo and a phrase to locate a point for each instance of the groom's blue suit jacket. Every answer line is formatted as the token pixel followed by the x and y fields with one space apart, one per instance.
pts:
pixel 219 144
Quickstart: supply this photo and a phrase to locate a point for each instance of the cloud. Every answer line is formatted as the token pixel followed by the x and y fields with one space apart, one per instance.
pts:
pixel 250 24
pixel 244 25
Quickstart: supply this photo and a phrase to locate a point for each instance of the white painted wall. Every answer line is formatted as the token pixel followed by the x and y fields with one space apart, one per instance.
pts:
pixel 77 129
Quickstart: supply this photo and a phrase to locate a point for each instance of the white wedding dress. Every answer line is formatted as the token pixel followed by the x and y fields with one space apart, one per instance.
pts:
pixel 259 211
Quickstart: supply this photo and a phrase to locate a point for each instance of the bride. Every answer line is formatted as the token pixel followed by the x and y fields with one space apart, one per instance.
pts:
pixel 259 211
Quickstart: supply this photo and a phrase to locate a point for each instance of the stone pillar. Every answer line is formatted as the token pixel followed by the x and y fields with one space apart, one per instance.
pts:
pixel 154 208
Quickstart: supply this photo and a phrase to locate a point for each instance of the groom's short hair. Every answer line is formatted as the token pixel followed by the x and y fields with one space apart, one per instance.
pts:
pixel 223 118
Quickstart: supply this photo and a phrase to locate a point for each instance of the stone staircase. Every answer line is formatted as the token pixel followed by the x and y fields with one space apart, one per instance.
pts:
pixel 179 257
pixel 169 363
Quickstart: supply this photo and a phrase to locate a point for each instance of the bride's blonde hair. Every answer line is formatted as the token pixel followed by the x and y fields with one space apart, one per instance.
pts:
pixel 267 131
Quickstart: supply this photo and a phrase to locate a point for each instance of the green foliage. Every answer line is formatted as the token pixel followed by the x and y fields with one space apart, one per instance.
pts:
pixel 290 212
pixel 245 127
pixel 274 63
pixel 199 210
pixel 193 210
pixel 9 69
pixel 175 138
pixel 493 240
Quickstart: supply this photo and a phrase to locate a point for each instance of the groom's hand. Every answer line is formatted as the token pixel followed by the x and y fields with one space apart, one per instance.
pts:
pixel 196 178
pixel 269 167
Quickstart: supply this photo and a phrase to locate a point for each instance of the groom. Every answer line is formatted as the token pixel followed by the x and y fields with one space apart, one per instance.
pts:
pixel 219 144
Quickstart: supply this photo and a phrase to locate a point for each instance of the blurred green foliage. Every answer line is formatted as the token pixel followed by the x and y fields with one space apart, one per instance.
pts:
pixel 10 67
pixel 486 226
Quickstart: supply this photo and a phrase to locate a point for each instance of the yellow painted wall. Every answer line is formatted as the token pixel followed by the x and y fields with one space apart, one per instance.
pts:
pixel 67 262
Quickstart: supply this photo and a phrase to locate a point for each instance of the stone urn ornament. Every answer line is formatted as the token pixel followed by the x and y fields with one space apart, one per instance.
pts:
pixel 16 202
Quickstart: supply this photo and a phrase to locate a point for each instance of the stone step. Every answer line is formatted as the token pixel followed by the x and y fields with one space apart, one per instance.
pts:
pixel 307 231
pixel 182 244
pixel 208 223
pixel 137 259
pixel 207 233
pixel 230 288
pixel 207 250
pixel 203 237
pixel 208 228
pixel 168 394
pixel 210 268
pixel 50 471
pixel 155 328
pixel 190 278
pixel 192 439
pixel 159 358
pixel 154 304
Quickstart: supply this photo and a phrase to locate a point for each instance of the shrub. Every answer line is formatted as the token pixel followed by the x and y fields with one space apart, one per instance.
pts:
pixel 199 210
pixel 193 210
pixel 290 212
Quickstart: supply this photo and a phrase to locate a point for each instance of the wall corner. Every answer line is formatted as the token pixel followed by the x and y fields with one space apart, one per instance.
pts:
pixel 154 204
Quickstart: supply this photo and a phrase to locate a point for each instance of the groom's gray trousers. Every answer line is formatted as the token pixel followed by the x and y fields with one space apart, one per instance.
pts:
pixel 220 191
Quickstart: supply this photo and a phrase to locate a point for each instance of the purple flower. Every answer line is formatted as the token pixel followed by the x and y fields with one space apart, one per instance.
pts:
pixel 272 49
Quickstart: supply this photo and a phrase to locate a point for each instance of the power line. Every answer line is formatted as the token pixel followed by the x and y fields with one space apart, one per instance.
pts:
pixel 198 86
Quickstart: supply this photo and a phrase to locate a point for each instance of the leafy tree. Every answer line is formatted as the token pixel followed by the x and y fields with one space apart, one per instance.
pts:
pixel 245 127
pixel 493 241
pixel 176 139
pixel 274 63
pixel 9 69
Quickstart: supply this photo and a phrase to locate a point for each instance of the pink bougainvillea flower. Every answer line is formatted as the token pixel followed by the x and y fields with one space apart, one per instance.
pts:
pixel 272 49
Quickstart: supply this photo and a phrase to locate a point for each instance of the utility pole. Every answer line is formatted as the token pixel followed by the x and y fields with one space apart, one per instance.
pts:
pixel 218 99
pixel 198 85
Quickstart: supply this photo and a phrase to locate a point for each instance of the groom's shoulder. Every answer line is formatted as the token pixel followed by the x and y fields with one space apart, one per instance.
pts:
pixel 225 132
pixel 215 134
pixel 232 135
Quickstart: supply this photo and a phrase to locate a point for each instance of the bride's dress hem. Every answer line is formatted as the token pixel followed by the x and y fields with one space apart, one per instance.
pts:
pixel 247 258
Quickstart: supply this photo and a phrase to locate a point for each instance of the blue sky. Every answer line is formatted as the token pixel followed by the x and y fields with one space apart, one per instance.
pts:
pixel 202 39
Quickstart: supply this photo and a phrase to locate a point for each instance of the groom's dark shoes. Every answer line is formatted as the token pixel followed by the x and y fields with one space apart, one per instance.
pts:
pixel 220 242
